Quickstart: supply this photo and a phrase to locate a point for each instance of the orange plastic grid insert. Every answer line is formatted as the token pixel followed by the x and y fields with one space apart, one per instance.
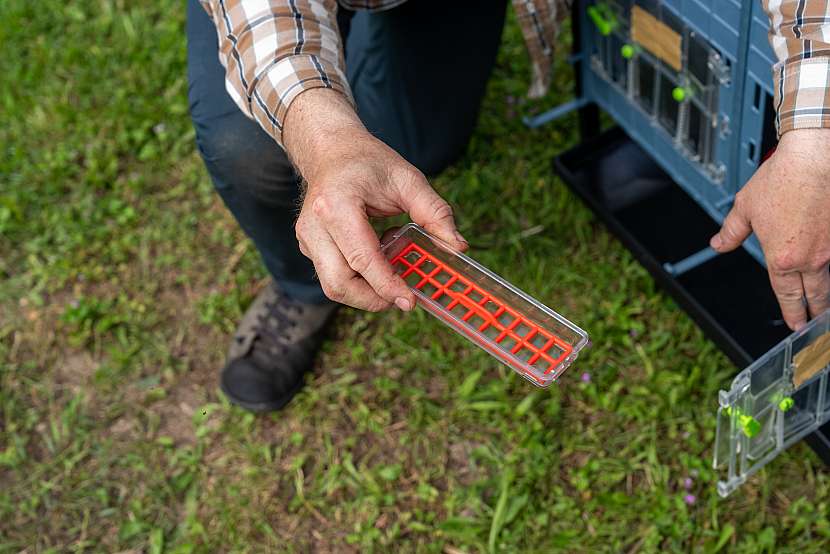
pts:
pixel 507 329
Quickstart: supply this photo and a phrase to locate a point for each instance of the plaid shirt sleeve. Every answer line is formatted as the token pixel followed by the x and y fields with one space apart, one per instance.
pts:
pixel 800 37
pixel 540 21
pixel 273 50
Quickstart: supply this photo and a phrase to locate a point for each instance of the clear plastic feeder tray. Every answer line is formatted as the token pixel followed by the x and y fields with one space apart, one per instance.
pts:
pixel 774 403
pixel 519 331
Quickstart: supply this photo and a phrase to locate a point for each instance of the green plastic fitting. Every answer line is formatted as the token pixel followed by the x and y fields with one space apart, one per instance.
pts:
pixel 785 404
pixel 749 425
pixel 603 18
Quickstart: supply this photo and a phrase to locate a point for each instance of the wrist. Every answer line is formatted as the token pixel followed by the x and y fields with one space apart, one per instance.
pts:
pixel 801 162
pixel 804 140
pixel 320 128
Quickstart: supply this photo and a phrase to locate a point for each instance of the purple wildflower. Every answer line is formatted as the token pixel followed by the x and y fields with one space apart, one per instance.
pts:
pixel 586 377
pixel 690 499
pixel 687 483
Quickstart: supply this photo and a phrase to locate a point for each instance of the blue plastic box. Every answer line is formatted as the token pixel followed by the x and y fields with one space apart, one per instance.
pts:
pixel 707 120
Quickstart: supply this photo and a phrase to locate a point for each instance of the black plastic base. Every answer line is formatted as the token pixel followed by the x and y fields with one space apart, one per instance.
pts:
pixel 728 296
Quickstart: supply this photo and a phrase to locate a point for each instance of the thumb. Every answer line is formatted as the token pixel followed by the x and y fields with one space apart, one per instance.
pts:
pixel 735 229
pixel 430 211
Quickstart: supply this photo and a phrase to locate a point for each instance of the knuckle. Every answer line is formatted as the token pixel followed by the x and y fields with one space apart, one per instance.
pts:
pixel 727 232
pixel 334 292
pixel 734 225
pixel 412 175
pixel 386 288
pixel 789 295
pixel 814 297
pixel 814 266
pixel 321 206
pixel 784 261
pixel 819 262
pixel 411 180
pixel 441 209
pixel 360 259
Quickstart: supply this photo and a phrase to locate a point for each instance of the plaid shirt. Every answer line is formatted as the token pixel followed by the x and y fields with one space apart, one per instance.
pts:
pixel 275 49
pixel 800 35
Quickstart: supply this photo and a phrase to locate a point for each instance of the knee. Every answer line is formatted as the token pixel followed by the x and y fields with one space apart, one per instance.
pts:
pixel 229 148
pixel 239 154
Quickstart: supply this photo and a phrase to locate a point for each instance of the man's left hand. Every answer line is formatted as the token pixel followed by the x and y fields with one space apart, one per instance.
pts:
pixel 787 205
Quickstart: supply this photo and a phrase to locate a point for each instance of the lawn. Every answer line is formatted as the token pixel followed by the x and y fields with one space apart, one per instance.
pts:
pixel 121 277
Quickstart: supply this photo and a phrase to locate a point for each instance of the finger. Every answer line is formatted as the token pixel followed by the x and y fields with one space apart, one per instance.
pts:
pixel 360 247
pixel 340 283
pixel 430 211
pixel 817 291
pixel 789 290
pixel 735 229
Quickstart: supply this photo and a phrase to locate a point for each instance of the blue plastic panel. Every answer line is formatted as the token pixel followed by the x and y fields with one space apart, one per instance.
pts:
pixel 760 60
pixel 733 103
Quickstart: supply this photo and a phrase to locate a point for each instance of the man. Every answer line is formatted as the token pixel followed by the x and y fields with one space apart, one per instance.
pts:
pixel 415 72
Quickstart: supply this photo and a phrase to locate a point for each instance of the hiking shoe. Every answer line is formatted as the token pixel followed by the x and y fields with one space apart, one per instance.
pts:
pixel 272 349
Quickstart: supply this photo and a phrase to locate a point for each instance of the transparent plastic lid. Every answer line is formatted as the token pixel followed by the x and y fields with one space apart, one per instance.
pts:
pixel 516 329
pixel 773 403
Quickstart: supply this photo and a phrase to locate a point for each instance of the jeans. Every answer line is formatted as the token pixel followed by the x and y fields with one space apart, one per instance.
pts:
pixel 418 73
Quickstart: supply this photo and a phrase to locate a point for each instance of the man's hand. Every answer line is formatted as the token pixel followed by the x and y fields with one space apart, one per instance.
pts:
pixel 787 204
pixel 352 176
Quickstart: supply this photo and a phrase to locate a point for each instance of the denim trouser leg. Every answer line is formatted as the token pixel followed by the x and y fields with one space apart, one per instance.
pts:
pixel 250 172
pixel 418 73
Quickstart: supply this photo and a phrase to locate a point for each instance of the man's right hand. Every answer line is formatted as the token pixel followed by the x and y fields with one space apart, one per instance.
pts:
pixel 352 176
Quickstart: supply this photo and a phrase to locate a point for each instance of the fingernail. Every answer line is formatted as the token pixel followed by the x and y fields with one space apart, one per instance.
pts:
pixel 403 304
pixel 459 238
pixel 715 242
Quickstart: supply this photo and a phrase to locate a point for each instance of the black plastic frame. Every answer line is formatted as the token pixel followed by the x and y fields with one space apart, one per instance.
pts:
pixel 729 297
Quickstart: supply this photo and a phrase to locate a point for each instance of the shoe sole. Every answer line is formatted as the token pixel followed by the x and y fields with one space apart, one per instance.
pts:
pixel 262 407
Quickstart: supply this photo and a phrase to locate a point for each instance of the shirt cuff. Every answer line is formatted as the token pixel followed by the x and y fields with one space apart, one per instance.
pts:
pixel 802 94
pixel 283 82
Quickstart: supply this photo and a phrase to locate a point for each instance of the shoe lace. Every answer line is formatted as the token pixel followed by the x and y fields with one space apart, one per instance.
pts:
pixel 274 323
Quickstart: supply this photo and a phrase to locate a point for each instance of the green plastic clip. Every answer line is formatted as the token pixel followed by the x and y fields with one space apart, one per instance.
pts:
pixel 603 18
pixel 679 94
pixel 627 51
pixel 749 425
pixel 785 404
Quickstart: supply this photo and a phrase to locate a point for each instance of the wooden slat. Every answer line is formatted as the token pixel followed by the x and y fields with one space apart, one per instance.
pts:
pixel 656 37
pixel 811 360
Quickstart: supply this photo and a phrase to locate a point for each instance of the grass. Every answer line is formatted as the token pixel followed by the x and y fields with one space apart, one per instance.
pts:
pixel 121 276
